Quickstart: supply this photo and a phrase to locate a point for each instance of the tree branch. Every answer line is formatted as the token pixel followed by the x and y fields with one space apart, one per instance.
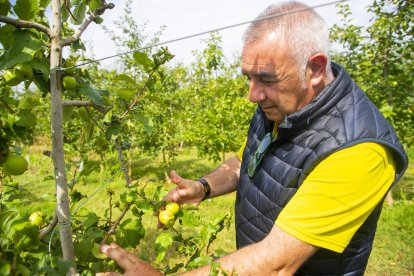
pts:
pixel 99 11
pixel 50 227
pixel 77 103
pixel 25 24
pixel 80 103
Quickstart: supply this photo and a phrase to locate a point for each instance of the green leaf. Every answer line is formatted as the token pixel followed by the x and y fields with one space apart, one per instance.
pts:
pixel 43 66
pixel 78 45
pixel 26 119
pixel 125 93
pixel 142 59
pixel 65 13
pixel 88 167
pixel 88 128
pixel 136 212
pixel 29 102
pixel 44 3
pixel 113 130
pixel 145 121
pixel 199 261
pixel 93 94
pixel 63 266
pixel 6 215
pixel 5 34
pixel 4 266
pixel 24 47
pixel 67 113
pixel 79 13
pixel 91 220
pixel 48 177
pixel 162 244
pixel 208 232
pixel 190 218
pixel 130 233
pixel 4 9
pixel 144 205
pixel 26 9
pixel 83 248
pixel 124 77
pixel 96 252
pixel 108 117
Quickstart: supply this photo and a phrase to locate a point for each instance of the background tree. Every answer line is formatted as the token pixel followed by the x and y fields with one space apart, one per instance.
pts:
pixel 219 107
pixel 379 57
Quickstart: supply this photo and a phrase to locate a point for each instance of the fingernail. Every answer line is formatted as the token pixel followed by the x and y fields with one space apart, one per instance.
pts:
pixel 104 248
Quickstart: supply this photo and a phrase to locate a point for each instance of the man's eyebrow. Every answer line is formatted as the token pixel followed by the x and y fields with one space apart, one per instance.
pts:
pixel 261 74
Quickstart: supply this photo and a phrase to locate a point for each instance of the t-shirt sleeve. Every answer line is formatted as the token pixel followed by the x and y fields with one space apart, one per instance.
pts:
pixel 338 196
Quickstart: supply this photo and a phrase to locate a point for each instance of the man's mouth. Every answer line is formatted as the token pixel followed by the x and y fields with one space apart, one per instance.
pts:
pixel 266 108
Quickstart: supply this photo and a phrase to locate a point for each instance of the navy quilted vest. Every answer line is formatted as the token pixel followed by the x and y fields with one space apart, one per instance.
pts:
pixel 339 117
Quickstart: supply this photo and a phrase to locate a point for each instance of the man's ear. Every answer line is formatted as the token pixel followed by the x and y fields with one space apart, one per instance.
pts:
pixel 317 69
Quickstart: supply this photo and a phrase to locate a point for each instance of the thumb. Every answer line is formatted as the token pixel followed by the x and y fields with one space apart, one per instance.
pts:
pixel 175 178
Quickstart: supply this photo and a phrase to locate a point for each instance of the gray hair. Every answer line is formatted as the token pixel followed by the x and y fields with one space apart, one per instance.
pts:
pixel 304 31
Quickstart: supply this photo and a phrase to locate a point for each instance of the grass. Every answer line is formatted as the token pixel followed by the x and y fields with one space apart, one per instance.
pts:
pixel 393 252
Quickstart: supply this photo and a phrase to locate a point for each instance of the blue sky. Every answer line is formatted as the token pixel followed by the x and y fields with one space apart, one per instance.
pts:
pixel 186 17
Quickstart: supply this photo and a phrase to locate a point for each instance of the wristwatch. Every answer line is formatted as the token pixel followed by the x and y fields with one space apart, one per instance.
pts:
pixel 206 187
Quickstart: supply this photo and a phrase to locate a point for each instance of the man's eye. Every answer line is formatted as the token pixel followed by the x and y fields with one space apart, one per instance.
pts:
pixel 272 81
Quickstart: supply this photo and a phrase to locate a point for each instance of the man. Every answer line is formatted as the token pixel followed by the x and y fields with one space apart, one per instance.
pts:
pixel 317 164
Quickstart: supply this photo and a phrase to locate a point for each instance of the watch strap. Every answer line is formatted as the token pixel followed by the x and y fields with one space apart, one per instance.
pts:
pixel 206 186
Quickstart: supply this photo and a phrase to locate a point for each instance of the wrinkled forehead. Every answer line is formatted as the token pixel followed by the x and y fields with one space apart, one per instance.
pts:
pixel 271 46
pixel 270 39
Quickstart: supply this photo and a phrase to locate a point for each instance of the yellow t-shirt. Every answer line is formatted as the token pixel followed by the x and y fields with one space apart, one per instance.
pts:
pixel 338 195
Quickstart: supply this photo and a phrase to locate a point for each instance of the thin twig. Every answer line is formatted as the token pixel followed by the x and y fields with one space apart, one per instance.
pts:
pixel 25 24
pixel 93 119
pixel 138 95
pixel 99 11
pixel 192 256
pixel 115 225
pixel 122 160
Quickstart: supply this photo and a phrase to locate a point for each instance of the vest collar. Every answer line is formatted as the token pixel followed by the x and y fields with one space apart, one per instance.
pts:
pixel 330 96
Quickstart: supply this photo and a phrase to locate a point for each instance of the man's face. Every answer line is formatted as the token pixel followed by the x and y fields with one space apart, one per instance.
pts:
pixel 275 84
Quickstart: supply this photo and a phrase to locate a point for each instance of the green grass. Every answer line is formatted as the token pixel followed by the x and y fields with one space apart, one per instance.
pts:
pixel 393 252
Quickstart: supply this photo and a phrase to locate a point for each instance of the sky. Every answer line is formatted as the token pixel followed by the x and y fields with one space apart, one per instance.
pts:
pixel 187 17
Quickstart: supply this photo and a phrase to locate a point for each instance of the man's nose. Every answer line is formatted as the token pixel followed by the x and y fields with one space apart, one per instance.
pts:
pixel 256 92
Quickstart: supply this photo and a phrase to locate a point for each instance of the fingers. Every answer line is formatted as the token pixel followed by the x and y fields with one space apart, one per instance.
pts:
pixel 122 257
pixel 128 262
pixel 186 191
pixel 174 196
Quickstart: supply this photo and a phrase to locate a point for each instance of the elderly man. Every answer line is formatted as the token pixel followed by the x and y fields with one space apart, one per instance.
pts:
pixel 317 163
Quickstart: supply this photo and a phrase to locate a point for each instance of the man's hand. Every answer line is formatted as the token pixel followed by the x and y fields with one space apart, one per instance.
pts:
pixel 131 265
pixel 186 192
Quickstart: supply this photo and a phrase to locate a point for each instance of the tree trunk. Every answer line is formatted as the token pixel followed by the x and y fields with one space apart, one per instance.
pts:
pixel 390 102
pixel 62 198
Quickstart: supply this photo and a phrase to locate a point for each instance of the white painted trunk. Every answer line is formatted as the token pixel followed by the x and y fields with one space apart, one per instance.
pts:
pixel 62 197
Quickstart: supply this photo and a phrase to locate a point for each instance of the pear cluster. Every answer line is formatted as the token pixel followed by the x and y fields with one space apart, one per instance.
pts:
pixel 167 216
